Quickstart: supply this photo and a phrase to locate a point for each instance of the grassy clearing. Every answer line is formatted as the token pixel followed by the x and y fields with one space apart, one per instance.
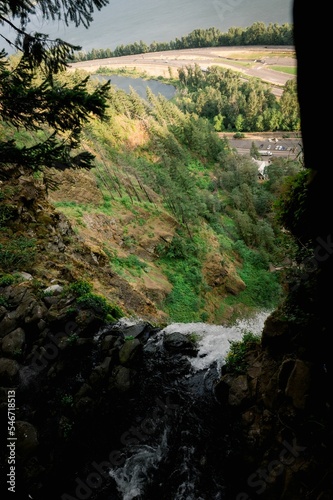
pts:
pixel 285 69
pixel 125 71
pixel 249 55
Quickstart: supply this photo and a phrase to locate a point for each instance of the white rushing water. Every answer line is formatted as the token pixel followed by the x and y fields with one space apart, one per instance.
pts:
pixel 214 340
pixel 191 419
pixel 132 478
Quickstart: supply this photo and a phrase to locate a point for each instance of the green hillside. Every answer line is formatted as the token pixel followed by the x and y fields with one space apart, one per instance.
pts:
pixel 171 208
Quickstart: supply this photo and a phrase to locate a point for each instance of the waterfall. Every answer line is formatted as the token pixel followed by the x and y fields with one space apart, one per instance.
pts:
pixel 214 340
pixel 132 478
pixel 173 445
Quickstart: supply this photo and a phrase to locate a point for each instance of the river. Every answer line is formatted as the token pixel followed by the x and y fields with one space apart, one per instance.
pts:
pixel 139 85
pixel 130 21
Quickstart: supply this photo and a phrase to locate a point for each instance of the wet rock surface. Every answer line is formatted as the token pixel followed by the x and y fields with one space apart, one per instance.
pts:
pixel 89 392
pixel 73 376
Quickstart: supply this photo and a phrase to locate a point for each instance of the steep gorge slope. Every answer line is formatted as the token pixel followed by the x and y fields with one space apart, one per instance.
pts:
pixel 156 212
pixel 130 239
pixel 170 207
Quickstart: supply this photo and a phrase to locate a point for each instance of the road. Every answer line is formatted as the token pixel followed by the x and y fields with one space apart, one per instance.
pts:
pixel 267 141
pixel 251 61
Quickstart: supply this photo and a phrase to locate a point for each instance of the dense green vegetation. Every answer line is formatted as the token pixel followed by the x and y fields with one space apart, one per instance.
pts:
pixel 256 34
pixel 85 298
pixel 212 193
pixel 236 357
pixel 151 158
pixel 204 185
pixel 232 104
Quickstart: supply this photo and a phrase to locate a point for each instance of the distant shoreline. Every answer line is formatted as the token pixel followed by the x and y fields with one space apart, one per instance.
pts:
pixel 252 61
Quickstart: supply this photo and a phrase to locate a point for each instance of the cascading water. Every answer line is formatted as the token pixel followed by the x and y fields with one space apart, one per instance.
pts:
pixel 214 340
pixel 172 447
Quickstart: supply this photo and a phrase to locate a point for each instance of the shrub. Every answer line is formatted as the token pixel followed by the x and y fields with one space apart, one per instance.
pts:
pixel 67 400
pixel 79 288
pixel 86 299
pixel 236 357
pixel 291 207
pixel 100 306
pixel 131 263
pixel 3 301
pixel 17 253
pixel 183 303
pixel 263 288
pixel 194 338
pixel 204 316
pixel 72 339
pixel 6 280
pixel 7 212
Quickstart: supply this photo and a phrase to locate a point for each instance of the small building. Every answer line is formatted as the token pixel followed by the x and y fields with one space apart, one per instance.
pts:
pixel 262 165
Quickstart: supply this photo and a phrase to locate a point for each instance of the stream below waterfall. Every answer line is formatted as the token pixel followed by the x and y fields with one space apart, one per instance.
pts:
pixel 172 443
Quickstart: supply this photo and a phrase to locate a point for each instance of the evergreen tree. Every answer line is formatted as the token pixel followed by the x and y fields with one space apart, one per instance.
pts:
pixel 32 98
pixel 254 151
pixel 289 107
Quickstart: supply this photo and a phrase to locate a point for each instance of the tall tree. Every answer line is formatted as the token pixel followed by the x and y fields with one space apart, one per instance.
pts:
pixel 31 96
pixel 289 106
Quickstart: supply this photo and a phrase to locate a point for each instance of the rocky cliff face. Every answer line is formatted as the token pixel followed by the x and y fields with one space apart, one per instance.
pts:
pixel 65 371
pixel 280 412
pixel 117 252
pixel 145 232
pixel 47 247
pixel 280 407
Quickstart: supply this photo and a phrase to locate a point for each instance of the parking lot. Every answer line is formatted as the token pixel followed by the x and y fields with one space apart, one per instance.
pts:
pixel 276 144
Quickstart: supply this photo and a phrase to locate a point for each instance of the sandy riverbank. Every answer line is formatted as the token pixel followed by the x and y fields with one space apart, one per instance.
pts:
pixel 254 61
